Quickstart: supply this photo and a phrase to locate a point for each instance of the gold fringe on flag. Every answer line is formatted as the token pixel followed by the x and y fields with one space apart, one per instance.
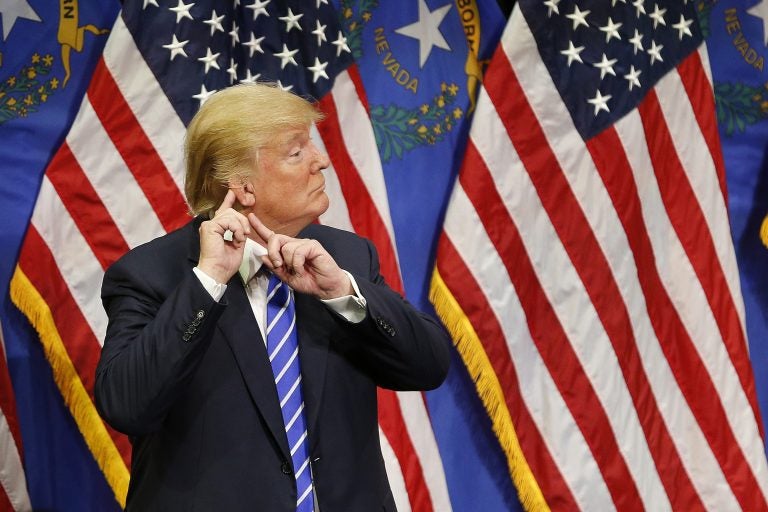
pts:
pixel 764 231
pixel 489 389
pixel 29 301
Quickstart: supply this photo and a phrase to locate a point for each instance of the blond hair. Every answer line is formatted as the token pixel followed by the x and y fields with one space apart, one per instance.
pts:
pixel 224 137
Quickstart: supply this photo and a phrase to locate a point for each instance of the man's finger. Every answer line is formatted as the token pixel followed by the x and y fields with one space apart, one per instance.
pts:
pixel 228 202
pixel 232 226
pixel 263 231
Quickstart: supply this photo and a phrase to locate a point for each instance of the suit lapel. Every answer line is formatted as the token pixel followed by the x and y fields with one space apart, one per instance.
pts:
pixel 242 333
pixel 249 350
pixel 313 327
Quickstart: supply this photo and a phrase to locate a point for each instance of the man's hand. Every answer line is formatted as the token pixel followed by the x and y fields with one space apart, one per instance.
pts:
pixel 302 263
pixel 220 258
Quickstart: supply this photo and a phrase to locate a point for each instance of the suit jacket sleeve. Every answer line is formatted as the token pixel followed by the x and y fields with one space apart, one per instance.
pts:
pixel 159 329
pixel 400 347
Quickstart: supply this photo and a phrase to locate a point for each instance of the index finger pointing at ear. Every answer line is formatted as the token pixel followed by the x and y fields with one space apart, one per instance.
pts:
pixel 228 202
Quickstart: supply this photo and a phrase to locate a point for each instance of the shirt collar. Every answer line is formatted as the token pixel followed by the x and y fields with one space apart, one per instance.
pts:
pixel 251 260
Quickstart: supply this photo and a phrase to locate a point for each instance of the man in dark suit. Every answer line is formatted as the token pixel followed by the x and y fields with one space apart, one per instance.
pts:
pixel 185 369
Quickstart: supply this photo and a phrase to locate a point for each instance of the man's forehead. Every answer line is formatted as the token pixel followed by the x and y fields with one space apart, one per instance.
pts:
pixel 289 136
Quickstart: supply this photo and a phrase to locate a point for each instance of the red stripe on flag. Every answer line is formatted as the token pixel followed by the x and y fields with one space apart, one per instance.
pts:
pixel 365 218
pixel 392 423
pixel 136 149
pixel 357 81
pixel 702 98
pixel 553 345
pixel 5 501
pixel 38 264
pixel 367 222
pixel 589 261
pixel 82 347
pixel 85 207
pixel 689 224
pixel 616 173
pixel 475 306
pixel 8 404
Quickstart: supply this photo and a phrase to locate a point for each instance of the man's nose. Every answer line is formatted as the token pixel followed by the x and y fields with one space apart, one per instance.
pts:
pixel 322 158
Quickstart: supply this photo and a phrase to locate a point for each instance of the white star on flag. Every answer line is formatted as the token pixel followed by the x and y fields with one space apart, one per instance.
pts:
pixel 204 94
pixel 606 66
pixel 760 10
pixel 318 70
pixel 286 56
pixel 176 47
pixel 611 29
pixel 182 10
pixel 291 20
pixel 655 52
pixel 658 16
pixel 552 7
pixel 210 60
pixel 341 44
pixel 633 77
pixel 215 22
pixel 254 44
pixel 637 42
pixel 427 30
pixel 600 102
pixel 683 27
pixel 12 11
pixel 573 53
pixel 258 7
pixel 320 33
pixel 578 16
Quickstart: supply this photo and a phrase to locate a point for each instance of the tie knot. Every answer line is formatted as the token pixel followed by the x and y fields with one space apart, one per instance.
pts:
pixel 277 291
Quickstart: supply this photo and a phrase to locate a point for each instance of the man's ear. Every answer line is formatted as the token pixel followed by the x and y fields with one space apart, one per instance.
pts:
pixel 244 192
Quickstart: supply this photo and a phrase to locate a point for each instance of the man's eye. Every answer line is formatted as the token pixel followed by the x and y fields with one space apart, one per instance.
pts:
pixel 297 153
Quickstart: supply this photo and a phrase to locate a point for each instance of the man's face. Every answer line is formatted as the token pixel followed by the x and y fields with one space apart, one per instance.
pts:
pixel 288 184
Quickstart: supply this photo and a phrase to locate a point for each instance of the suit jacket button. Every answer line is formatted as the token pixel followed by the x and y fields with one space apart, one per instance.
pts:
pixel 286 468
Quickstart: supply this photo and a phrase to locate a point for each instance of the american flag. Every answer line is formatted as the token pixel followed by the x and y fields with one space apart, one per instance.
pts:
pixel 586 267
pixel 117 181
pixel 13 484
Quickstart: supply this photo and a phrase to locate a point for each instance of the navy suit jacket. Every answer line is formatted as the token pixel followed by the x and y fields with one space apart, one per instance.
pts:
pixel 189 380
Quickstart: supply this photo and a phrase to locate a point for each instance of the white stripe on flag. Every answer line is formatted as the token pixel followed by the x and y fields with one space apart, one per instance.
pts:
pixel 337 214
pixel 394 474
pixel 683 287
pixel 545 404
pixel 698 165
pixel 12 478
pixel 423 437
pixel 147 100
pixel 357 132
pixel 106 170
pixel 73 256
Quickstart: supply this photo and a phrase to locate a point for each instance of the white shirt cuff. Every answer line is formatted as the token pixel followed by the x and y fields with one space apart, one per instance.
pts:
pixel 216 290
pixel 352 307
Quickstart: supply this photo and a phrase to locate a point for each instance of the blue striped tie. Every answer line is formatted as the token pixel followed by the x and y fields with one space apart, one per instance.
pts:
pixel 283 350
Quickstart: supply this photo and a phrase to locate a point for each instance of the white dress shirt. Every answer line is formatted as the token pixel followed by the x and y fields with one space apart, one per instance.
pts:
pixel 352 307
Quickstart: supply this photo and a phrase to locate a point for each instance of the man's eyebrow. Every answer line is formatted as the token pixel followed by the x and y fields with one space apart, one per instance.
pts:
pixel 282 142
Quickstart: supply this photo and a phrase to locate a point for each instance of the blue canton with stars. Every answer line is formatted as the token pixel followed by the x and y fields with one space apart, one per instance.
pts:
pixel 604 55
pixel 197 47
